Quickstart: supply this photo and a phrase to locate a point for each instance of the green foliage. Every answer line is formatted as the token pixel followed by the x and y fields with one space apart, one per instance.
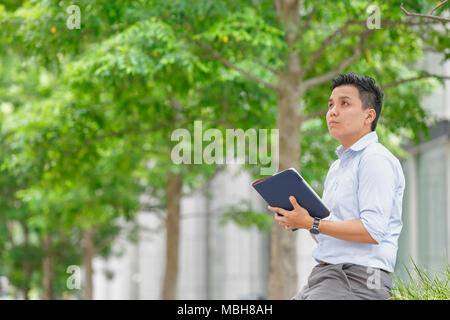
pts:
pixel 243 215
pixel 86 115
pixel 422 285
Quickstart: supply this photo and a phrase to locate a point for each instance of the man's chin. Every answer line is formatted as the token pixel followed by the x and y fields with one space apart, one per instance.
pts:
pixel 334 134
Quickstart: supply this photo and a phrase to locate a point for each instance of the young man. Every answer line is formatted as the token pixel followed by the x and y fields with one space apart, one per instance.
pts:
pixel 357 242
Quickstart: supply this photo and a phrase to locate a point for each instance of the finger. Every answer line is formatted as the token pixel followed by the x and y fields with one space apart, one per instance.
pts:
pixel 278 210
pixel 294 202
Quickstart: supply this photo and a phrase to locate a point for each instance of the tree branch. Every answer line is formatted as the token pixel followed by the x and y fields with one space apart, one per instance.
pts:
pixel 252 77
pixel 318 53
pixel 308 20
pixel 136 131
pixel 314 114
pixel 331 74
pixel 428 16
pixel 341 30
pixel 216 55
pixel 438 6
pixel 313 132
pixel 401 81
pixel 131 130
pixel 390 23
pixel 344 64
pixel 271 69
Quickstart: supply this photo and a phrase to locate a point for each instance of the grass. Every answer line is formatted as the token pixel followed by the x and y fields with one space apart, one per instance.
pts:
pixel 422 285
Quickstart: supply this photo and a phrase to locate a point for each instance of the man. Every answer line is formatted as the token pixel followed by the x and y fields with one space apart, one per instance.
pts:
pixel 357 242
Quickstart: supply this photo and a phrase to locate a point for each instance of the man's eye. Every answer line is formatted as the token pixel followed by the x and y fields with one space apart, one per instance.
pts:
pixel 345 103
pixel 330 106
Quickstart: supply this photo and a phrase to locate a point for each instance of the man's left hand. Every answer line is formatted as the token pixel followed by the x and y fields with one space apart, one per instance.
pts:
pixel 298 218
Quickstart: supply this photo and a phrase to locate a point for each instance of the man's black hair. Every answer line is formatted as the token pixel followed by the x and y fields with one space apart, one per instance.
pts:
pixel 370 95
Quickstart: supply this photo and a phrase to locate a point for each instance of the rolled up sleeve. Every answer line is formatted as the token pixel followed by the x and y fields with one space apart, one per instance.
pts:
pixel 376 194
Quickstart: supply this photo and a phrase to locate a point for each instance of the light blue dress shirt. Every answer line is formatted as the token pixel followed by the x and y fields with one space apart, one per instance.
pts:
pixel 366 182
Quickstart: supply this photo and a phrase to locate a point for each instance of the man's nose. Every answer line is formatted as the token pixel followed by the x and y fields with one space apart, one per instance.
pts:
pixel 332 111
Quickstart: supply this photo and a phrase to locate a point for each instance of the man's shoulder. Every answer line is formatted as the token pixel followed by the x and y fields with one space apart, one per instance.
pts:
pixel 379 151
pixel 333 165
pixel 384 157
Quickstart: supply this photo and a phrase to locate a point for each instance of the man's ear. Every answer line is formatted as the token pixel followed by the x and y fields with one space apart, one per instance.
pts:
pixel 371 114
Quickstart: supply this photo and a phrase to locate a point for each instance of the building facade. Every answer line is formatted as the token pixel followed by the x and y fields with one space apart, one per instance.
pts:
pixel 426 208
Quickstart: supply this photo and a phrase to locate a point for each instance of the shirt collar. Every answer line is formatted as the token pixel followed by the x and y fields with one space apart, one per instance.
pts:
pixel 360 144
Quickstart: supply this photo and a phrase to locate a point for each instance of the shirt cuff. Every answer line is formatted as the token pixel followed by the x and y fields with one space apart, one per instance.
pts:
pixel 376 235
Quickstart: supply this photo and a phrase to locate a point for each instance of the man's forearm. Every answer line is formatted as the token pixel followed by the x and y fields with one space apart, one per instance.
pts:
pixel 350 230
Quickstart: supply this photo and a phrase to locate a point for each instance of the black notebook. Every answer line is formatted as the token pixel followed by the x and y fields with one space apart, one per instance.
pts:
pixel 277 188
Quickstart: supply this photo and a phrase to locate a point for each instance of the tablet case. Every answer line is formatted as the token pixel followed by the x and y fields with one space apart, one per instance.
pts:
pixel 277 188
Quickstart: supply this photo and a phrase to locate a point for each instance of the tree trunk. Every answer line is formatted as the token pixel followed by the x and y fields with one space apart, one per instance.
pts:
pixel 174 187
pixel 283 260
pixel 88 255
pixel 48 267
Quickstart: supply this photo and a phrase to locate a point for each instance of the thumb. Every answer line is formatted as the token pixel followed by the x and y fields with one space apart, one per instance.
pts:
pixel 294 202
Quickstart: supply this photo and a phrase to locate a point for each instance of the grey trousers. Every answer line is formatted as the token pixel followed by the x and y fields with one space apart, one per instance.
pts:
pixel 346 281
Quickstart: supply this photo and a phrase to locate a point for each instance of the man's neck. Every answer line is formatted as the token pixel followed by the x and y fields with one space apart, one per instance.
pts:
pixel 347 144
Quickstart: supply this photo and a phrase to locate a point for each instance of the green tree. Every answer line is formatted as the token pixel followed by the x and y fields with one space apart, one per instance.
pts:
pixel 293 49
pixel 160 65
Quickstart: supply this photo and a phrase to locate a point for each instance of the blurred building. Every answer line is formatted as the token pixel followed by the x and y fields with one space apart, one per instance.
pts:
pixel 228 262
pixel 426 208
pixel 217 261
